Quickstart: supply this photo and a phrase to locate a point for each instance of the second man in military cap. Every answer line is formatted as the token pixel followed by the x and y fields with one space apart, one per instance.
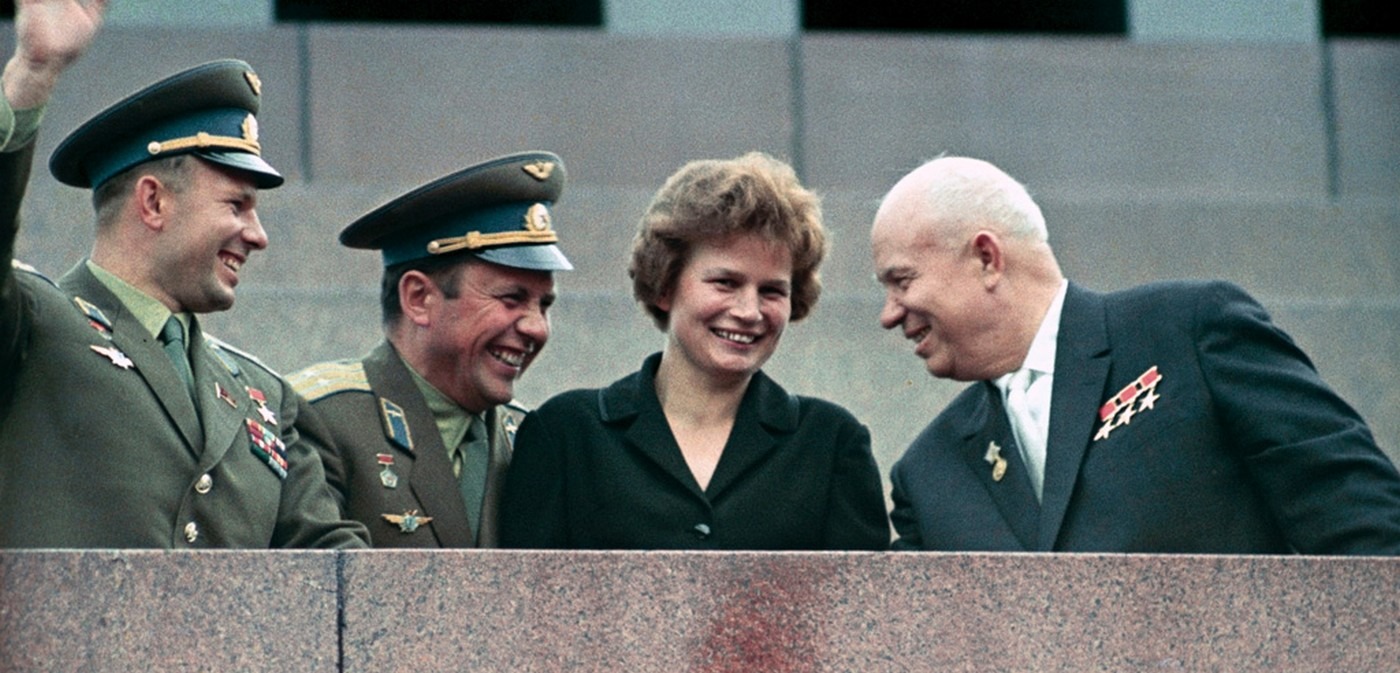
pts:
pixel 417 434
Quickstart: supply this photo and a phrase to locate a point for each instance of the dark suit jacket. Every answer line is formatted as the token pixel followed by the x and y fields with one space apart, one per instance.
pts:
pixel 600 469
pixel 101 444
pixel 1238 448
pixel 369 408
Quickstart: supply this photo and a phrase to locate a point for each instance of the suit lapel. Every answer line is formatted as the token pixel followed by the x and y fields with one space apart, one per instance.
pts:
pixel 151 363
pixel 1081 374
pixel 428 468
pixel 1013 493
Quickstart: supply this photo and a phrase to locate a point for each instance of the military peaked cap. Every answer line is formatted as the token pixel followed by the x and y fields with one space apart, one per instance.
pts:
pixel 208 111
pixel 497 210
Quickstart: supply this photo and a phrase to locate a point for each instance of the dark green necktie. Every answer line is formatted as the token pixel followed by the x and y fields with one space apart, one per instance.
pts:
pixel 475 458
pixel 172 339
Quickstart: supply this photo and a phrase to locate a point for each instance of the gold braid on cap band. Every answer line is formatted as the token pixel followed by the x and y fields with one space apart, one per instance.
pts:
pixel 202 140
pixel 537 230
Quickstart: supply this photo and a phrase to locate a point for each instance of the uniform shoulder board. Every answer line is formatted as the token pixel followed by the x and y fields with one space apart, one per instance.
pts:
pixel 230 356
pixel 320 381
pixel 21 266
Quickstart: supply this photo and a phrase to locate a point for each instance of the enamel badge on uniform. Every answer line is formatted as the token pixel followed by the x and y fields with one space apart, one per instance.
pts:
pixel 268 446
pixel 408 521
pixel 224 395
pixel 993 457
pixel 1135 398
pixel 117 357
pixel 260 398
pixel 395 424
pixel 387 477
pixel 96 319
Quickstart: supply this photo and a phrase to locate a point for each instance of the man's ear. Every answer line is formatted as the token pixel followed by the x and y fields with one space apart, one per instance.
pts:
pixel 151 201
pixel 990 255
pixel 419 297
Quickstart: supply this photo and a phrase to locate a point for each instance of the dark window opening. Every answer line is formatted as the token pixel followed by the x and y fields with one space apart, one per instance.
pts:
pixel 504 12
pixel 1083 17
pixel 1360 18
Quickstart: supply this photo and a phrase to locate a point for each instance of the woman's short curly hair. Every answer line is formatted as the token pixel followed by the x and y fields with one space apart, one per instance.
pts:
pixel 712 199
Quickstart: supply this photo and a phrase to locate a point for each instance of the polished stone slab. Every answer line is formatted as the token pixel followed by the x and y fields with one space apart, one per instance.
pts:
pixel 616 611
pixel 668 611
pixel 155 611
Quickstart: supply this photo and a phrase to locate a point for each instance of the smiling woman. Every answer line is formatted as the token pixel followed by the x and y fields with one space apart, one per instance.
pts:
pixel 699 449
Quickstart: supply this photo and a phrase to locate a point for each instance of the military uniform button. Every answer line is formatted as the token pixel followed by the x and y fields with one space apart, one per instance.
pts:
pixel 191 532
pixel 205 483
pixel 702 531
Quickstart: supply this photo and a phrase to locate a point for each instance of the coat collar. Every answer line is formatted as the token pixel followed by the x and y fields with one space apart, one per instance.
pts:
pixel 765 413
pixel 131 338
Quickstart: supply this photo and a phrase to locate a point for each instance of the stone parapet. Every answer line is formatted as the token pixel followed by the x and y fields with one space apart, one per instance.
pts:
pixel 667 611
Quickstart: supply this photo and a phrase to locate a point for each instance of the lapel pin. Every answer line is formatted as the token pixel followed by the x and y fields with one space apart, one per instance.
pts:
pixel 408 521
pixel 96 319
pixel 993 457
pixel 224 395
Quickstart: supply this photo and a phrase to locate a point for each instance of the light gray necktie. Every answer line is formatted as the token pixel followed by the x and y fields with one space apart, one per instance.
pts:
pixel 473 459
pixel 172 339
pixel 1027 404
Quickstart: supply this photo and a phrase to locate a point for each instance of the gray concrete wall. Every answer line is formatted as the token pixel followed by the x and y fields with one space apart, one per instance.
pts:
pixel 1272 165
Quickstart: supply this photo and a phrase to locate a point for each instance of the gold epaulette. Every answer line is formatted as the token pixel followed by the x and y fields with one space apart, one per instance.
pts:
pixel 322 380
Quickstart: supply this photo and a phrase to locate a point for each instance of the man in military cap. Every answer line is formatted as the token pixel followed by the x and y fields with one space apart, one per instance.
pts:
pixel 123 425
pixel 416 436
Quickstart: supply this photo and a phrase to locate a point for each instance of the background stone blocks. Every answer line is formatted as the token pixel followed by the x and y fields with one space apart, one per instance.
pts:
pixel 1275 166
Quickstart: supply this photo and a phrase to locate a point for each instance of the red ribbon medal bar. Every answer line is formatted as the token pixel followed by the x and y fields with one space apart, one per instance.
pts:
pixel 268 446
pixel 1135 398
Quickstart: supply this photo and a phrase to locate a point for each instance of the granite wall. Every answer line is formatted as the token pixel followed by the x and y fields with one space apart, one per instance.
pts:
pixel 1275 166
pixel 158 612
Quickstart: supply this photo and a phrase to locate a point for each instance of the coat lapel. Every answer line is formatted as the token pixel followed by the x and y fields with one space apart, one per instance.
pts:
pixel 145 353
pixel 632 401
pixel 225 405
pixel 495 478
pixel 1013 493
pixel 765 412
pixel 428 469
pixel 1081 374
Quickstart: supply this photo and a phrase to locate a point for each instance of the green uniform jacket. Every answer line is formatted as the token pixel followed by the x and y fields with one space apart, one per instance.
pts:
pixel 100 444
pixel 385 458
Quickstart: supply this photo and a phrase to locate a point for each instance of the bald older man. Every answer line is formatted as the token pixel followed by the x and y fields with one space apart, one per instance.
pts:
pixel 1171 417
